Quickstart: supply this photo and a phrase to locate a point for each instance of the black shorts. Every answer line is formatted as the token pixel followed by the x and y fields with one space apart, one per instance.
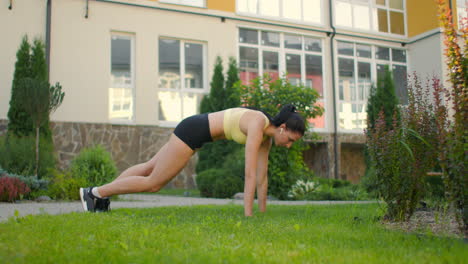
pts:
pixel 194 131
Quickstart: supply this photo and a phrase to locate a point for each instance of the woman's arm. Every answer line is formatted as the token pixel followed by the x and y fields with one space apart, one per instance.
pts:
pixel 262 174
pixel 252 149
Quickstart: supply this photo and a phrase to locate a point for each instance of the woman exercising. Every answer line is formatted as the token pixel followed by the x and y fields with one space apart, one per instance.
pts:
pixel 251 127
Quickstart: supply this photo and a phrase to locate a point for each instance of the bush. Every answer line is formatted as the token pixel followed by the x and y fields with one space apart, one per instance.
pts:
pixel 17 155
pixel 434 187
pixel 321 189
pixel 63 186
pixel 12 189
pixel 95 165
pixel 219 183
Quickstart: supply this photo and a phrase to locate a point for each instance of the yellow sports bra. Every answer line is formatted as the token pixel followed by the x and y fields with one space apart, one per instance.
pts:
pixel 231 124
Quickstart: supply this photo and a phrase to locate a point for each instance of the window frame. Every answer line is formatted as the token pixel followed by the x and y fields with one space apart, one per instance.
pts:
pixel 374 63
pixel 281 15
pixel 183 3
pixel 373 21
pixel 282 51
pixel 182 90
pixel 132 86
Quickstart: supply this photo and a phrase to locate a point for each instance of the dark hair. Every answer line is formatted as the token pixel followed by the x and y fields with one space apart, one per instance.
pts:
pixel 290 118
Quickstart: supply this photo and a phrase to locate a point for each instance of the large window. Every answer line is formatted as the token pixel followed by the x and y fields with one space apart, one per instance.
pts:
pixel 359 66
pixel 276 53
pixel 122 81
pixel 181 78
pixel 302 11
pixel 386 16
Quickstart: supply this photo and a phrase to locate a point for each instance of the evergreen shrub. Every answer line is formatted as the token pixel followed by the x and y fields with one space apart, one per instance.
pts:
pixel 219 183
pixel 95 165
pixel 63 186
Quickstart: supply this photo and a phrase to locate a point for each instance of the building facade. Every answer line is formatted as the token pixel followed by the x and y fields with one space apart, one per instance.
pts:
pixel 132 69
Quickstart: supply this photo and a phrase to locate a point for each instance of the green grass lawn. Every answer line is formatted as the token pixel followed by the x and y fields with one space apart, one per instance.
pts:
pixel 220 234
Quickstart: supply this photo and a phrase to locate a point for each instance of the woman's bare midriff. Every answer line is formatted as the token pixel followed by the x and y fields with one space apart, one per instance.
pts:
pixel 216 120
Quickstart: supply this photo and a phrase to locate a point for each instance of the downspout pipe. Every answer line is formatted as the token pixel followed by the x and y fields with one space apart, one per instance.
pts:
pixel 48 33
pixel 335 117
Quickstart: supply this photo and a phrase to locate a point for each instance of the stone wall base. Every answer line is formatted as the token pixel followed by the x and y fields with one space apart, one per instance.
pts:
pixel 128 144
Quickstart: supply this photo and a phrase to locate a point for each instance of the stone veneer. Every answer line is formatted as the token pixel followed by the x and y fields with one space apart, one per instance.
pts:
pixel 128 145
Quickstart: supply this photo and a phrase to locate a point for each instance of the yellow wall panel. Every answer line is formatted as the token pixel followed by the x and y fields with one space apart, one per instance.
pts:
pixel 222 5
pixel 421 16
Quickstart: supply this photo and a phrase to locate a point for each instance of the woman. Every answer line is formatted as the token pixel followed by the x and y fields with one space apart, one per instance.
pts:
pixel 253 128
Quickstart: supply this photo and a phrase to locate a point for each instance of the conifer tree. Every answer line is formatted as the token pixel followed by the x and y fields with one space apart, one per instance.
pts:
pixel 232 98
pixel 19 121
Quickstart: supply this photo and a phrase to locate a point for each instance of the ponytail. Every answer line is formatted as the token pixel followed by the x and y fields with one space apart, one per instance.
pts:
pixel 283 116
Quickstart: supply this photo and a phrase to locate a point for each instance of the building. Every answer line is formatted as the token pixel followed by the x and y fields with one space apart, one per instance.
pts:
pixel 131 69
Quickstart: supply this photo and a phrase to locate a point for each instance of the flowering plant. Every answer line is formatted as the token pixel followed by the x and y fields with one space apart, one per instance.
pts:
pixel 301 188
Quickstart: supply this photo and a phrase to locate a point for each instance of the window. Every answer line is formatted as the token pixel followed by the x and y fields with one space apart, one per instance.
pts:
pixel 359 65
pixel 196 3
pixel 462 12
pixel 302 11
pixel 386 16
pixel 275 53
pixel 181 78
pixel 121 99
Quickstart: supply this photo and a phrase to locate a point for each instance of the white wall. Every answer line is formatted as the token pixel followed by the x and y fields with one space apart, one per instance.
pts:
pixel 425 56
pixel 80 57
pixel 27 17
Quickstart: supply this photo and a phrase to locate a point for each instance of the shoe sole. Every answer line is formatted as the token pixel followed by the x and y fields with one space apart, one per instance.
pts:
pixel 83 202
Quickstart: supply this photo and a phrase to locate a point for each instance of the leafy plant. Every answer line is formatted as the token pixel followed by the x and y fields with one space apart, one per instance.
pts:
pixel 12 189
pixel 452 135
pixel 219 183
pixel 63 186
pixel 95 165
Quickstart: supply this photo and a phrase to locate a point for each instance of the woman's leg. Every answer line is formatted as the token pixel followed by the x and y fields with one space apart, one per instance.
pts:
pixel 142 169
pixel 169 161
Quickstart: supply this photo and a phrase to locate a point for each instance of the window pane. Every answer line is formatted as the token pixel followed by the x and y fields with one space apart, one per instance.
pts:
pixel 312 10
pixel 269 8
pixel 361 17
pixel 363 51
pixel 271 64
pixel 270 39
pixel 170 108
pixel 396 4
pixel 193 65
pixel 248 36
pixel 382 53
pixel 343 14
pixel 382 20
pixel 346 86
pixel 397 23
pixel 293 68
pixel 292 42
pixel 314 73
pixel 399 75
pixel 398 55
pixel 313 44
pixel 190 103
pixel 169 63
pixel 345 48
pixel 121 90
pixel 346 77
pixel 292 9
pixel 248 64
pixel 364 80
pixel 121 61
pixel 249 6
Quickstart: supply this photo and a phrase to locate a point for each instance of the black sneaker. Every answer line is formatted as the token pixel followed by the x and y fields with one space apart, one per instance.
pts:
pixel 102 205
pixel 88 200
